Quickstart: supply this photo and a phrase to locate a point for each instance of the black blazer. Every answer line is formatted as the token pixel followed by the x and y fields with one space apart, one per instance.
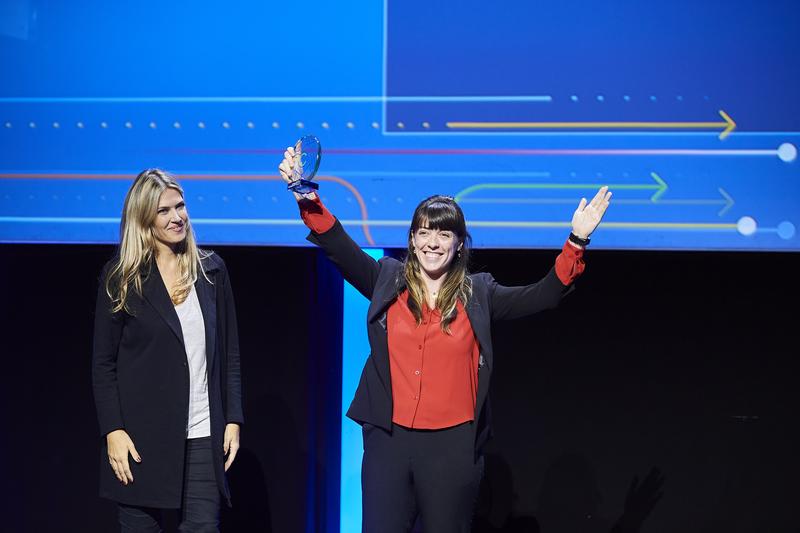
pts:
pixel 381 282
pixel 141 382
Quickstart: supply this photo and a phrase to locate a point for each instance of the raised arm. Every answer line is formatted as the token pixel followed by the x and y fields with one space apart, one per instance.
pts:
pixel 515 302
pixel 356 266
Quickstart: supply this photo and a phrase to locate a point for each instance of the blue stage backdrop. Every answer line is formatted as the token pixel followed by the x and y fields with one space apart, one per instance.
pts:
pixel 688 110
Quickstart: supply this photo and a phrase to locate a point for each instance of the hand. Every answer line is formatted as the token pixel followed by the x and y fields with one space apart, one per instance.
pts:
pixel 286 169
pixel 119 446
pixel 230 444
pixel 640 501
pixel 587 217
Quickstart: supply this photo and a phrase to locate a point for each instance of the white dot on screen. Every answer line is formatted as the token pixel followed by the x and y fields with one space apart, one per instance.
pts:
pixel 787 152
pixel 746 226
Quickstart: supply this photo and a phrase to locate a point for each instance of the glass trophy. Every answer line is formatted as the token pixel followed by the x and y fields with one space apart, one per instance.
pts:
pixel 307 153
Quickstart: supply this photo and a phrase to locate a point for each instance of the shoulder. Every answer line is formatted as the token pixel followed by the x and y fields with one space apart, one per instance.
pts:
pixel 481 279
pixel 211 261
pixel 390 263
pixel 108 267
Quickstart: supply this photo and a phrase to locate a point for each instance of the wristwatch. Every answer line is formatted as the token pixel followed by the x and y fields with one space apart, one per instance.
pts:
pixel 577 240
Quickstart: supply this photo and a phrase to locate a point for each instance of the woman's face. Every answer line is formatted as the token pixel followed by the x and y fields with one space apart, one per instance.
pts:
pixel 435 250
pixel 169 227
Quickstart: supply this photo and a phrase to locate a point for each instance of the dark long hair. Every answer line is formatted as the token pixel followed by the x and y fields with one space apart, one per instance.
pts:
pixel 440 213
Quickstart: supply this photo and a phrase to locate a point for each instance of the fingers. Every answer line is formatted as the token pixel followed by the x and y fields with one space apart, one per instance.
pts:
pixel 134 453
pixel 581 205
pixel 127 475
pixel 121 469
pixel 116 469
pixel 603 204
pixel 232 450
pixel 287 165
pixel 599 197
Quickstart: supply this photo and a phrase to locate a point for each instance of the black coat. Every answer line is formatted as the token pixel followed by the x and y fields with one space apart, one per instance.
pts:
pixel 141 383
pixel 381 282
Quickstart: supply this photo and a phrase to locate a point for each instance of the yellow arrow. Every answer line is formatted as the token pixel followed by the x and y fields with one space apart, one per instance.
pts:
pixel 727 124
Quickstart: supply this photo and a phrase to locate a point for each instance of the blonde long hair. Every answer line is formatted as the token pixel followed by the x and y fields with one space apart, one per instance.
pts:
pixel 441 213
pixel 137 248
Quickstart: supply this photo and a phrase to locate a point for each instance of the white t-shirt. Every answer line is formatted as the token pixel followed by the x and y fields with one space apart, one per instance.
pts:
pixel 194 339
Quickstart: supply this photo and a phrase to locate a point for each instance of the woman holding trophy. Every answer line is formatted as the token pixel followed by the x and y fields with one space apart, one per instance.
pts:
pixel 422 396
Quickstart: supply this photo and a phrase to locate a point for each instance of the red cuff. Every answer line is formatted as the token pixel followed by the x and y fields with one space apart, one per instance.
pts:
pixel 315 215
pixel 569 263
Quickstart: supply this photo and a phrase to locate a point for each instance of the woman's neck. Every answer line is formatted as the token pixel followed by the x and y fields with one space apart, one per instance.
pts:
pixel 432 287
pixel 166 258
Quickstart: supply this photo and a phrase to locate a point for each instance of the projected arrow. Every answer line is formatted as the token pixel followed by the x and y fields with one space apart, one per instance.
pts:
pixel 727 125
pixel 660 187
pixel 726 201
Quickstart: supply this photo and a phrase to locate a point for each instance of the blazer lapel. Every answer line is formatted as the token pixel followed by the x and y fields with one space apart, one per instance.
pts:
pixel 155 292
pixel 384 295
pixel 207 296
pixel 479 321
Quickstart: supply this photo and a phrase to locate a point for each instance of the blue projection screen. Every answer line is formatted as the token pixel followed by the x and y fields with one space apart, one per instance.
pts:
pixel 688 110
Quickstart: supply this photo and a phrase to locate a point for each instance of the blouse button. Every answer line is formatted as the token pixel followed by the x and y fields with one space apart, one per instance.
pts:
pixel 420 346
pixel 416 372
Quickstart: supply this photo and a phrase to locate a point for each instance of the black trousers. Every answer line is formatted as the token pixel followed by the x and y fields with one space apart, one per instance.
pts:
pixel 430 473
pixel 201 497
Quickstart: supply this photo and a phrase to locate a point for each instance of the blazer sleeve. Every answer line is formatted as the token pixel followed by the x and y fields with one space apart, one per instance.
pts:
pixel 108 328
pixel 355 265
pixel 233 376
pixel 515 302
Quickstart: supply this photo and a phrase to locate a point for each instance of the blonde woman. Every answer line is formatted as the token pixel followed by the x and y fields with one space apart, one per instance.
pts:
pixel 165 368
pixel 422 397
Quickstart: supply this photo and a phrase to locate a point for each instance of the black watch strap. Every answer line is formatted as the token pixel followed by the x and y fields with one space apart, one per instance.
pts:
pixel 577 240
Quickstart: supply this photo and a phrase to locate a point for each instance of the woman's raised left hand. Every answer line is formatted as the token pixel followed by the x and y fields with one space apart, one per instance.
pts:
pixel 588 215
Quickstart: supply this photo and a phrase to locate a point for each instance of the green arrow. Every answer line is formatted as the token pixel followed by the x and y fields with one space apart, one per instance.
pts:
pixel 659 186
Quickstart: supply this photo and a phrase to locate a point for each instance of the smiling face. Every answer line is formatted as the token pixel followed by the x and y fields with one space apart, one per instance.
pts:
pixel 435 249
pixel 437 235
pixel 170 224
